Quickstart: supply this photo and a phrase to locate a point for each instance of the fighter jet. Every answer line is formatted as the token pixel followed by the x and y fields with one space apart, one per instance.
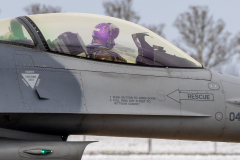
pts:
pixel 82 74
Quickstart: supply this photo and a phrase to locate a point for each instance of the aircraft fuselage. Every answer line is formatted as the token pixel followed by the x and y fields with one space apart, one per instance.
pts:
pixel 54 94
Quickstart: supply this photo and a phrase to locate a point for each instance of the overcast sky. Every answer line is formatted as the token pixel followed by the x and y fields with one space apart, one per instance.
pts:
pixel 151 11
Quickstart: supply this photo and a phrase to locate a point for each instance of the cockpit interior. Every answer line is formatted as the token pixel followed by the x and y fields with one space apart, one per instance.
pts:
pixel 95 37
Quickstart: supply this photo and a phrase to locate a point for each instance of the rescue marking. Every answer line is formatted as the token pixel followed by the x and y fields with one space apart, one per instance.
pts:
pixel 38 81
pixel 178 96
pixel 131 100
pixel 31 79
pixel 25 82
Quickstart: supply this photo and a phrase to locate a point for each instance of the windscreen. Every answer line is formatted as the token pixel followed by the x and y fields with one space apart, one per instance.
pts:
pixel 13 31
pixel 109 39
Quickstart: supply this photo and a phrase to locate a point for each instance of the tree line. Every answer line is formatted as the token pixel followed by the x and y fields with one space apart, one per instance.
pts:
pixel 202 37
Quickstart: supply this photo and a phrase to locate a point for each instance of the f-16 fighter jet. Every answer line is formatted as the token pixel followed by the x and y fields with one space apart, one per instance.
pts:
pixel 83 74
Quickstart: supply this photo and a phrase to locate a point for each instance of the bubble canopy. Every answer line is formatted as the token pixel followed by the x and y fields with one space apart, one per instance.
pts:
pixel 109 39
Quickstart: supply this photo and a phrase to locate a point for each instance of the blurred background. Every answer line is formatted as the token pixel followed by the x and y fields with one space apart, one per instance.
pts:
pixel 209 31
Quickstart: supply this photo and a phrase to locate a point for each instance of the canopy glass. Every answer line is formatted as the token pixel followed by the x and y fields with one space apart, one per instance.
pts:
pixel 109 39
pixel 12 30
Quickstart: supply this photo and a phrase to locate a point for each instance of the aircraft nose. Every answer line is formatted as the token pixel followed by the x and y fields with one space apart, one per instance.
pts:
pixel 232 92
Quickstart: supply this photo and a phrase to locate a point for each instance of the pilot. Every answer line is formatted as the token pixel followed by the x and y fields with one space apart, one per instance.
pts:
pixel 104 35
pixel 15 31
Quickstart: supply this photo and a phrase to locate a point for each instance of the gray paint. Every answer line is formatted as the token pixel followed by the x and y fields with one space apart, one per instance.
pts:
pixel 46 96
pixel 14 150
pixel 27 136
pixel 85 86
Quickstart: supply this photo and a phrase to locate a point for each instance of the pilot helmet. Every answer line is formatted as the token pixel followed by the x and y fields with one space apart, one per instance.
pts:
pixel 106 33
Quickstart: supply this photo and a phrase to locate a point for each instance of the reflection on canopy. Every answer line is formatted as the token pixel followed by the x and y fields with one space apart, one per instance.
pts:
pixel 156 55
pixel 109 39
pixel 13 31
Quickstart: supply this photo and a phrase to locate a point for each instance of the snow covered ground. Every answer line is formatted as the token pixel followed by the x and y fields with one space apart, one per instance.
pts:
pixel 118 148
pixel 160 157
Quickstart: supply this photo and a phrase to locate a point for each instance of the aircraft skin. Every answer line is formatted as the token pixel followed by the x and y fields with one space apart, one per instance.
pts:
pixel 47 96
